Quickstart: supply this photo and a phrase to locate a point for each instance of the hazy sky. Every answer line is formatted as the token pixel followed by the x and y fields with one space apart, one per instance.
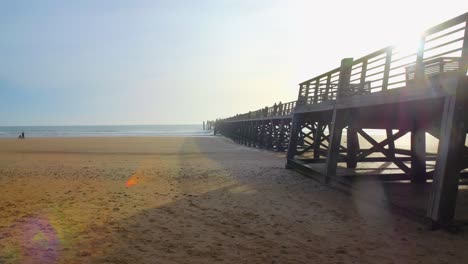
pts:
pixel 176 62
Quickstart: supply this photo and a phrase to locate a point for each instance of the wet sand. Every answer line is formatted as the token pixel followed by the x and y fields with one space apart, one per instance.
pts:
pixel 190 200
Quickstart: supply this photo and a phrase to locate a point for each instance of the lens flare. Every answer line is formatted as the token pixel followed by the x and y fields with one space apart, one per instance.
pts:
pixel 40 240
pixel 36 238
pixel 132 181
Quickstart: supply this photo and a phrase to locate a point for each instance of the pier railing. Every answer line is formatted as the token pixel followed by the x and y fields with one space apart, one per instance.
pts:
pixel 277 110
pixel 442 49
pixel 319 89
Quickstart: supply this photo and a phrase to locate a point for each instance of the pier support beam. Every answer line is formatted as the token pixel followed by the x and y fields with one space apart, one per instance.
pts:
pixel 391 144
pixel 317 140
pixel 352 147
pixel 442 203
pixel 418 155
pixel 271 132
pixel 334 147
pixel 263 133
pixel 297 121
pixel 338 121
pixel 250 131
pixel 281 135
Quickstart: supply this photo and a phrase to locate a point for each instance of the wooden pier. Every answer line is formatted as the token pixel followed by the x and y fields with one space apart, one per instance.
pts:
pixel 209 125
pixel 399 93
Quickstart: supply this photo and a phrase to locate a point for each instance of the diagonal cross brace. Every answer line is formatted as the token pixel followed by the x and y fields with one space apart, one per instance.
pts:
pixel 383 143
pixel 387 153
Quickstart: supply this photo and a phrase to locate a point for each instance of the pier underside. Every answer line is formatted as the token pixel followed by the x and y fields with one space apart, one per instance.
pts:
pixel 396 137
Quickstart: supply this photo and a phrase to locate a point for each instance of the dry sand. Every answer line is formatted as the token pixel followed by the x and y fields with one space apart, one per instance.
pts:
pixel 190 200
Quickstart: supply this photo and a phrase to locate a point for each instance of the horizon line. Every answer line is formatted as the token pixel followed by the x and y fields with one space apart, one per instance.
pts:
pixel 178 124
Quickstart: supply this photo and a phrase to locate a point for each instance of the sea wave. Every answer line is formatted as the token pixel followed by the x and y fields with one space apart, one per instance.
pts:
pixel 104 131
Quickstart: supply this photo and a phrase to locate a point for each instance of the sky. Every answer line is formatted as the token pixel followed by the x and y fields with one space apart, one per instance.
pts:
pixel 114 62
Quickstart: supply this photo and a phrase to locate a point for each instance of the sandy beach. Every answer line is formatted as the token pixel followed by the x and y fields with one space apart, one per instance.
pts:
pixel 190 200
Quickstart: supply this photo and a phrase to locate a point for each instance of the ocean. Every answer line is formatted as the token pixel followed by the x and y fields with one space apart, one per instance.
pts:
pixel 104 131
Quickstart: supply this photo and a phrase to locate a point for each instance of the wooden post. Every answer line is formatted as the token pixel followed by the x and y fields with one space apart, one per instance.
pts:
pixel 297 121
pixel 262 133
pixel 280 144
pixel 242 133
pixel 388 61
pixel 442 203
pixel 351 133
pixel 318 139
pixel 254 133
pixel 258 133
pixel 249 133
pixel 271 137
pixel 337 121
pixel 419 66
pixel 391 144
pixel 443 198
pixel 247 125
pixel 301 135
pixel 418 155
pixel 334 146
pixel 317 84
pixel 352 146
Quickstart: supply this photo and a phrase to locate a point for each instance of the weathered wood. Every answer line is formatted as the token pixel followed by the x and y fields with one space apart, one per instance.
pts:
pixel 338 121
pixel 442 203
pixel 262 133
pixel 352 147
pixel 297 122
pixel 334 145
pixel 250 134
pixel 418 155
pixel 380 145
pixel 318 139
pixel 271 136
pixel 384 151
pixel 443 198
pixel 281 136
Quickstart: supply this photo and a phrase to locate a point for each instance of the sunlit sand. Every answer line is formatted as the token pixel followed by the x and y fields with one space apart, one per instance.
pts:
pixel 189 200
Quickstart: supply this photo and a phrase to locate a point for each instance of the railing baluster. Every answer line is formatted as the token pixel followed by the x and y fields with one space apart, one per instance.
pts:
pixel 388 62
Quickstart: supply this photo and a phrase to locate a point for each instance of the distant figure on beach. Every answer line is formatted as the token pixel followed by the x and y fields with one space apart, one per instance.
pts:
pixel 21 136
